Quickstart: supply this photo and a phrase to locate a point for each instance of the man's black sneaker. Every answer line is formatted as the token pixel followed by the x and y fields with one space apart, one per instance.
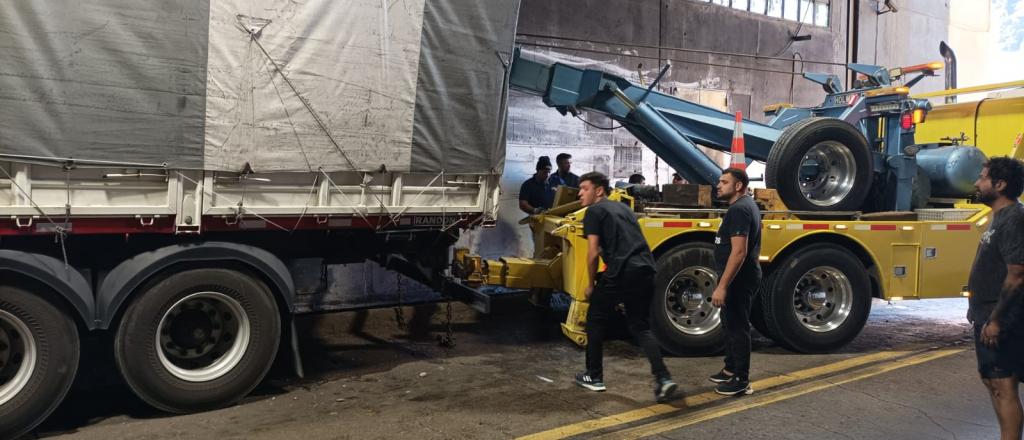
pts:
pixel 734 387
pixel 720 377
pixel 590 383
pixel 664 389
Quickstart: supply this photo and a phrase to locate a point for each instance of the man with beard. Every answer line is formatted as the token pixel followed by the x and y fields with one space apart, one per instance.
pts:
pixel 995 284
pixel 613 234
pixel 737 245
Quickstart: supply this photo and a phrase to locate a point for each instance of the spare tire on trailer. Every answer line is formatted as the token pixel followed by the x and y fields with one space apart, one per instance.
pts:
pixel 821 164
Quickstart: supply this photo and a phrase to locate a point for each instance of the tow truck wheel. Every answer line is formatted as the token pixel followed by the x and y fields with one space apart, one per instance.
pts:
pixel 38 359
pixel 757 319
pixel 682 318
pixel 198 340
pixel 817 300
pixel 821 164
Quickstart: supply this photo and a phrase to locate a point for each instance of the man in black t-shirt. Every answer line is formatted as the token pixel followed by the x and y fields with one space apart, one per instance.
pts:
pixel 737 247
pixel 996 281
pixel 613 234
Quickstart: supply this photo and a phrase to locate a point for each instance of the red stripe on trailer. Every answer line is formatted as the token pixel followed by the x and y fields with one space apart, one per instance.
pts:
pixel 678 224
pixel 958 227
pixel 883 227
pixel 816 226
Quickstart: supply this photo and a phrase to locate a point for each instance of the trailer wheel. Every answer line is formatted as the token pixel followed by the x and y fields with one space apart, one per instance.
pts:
pixel 817 300
pixel 198 340
pixel 821 164
pixel 683 320
pixel 38 359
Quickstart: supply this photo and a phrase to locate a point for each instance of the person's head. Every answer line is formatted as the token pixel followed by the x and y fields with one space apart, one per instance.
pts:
pixel 1001 177
pixel 732 184
pixel 543 168
pixel 637 179
pixel 564 161
pixel 676 178
pixel 594 187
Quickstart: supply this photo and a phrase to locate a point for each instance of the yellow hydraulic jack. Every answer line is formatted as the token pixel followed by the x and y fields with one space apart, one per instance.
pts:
pixel 559 262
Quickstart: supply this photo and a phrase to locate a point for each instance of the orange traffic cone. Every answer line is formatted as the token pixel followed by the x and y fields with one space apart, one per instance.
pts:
pixel 739 160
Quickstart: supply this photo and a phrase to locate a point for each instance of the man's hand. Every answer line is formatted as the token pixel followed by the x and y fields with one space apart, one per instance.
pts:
pixel 588 292
pixel 718 298
pixel 990 334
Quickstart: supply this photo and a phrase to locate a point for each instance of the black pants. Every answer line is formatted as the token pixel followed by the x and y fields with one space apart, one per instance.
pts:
pixel 637 297
pixel 739 298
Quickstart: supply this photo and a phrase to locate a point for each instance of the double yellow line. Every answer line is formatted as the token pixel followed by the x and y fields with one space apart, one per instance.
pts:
pixel 883 362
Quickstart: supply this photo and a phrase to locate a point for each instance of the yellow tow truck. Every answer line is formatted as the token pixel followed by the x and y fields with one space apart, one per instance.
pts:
pixel 822 268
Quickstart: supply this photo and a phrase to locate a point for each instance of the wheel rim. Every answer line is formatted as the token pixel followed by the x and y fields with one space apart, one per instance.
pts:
pixel 827 173
pixel 822 299
pixel 203 336
pixel 17 356
pixel 688 301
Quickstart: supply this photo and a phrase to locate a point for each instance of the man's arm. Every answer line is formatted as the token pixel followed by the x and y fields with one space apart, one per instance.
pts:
pixel 1009 295
pixel 732 267
pixel 525 207
pixel 524 196
pixel 1011 248
pixel 1011 288
pixel 593 255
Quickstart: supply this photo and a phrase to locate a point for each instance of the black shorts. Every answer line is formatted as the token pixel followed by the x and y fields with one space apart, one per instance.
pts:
pixel 1002 361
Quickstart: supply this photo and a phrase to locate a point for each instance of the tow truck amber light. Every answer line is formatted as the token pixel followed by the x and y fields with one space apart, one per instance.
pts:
pixel 965 294
pixel 896 298
pixel 774 227
pixel 888 91
pixel 906 121
pixel 763 258
pixel 918 116
pixel 982 222
pixel 907 228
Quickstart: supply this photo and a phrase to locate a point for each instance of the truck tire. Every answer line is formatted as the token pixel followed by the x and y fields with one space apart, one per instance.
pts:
pixel 821 164
pixel 817 299
pixel 682 318
pixel 198 340
pixel 38 359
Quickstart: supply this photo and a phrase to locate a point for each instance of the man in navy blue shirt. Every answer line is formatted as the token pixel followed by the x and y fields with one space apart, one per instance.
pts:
pixel 536 195
pixel 563 177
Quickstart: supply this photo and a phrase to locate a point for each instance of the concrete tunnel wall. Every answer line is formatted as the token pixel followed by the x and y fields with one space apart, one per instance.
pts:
pixel 715 79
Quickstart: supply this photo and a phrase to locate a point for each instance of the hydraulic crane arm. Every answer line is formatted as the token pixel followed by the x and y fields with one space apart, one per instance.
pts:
pixel 671 127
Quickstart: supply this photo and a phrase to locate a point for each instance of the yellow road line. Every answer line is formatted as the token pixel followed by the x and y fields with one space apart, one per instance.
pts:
pixel 763 399
pixel 700 399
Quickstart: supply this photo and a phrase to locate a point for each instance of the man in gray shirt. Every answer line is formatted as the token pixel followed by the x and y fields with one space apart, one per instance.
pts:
pixel 996 280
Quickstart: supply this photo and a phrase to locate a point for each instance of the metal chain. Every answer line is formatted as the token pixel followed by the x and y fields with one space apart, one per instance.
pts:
pixel 447 340
pixel 400 310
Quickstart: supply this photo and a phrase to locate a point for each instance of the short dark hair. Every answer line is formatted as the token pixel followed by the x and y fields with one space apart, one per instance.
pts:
pixel 1009 170
pixel 636 178
pixel 562 156
pixel 598 179
pixel 739 174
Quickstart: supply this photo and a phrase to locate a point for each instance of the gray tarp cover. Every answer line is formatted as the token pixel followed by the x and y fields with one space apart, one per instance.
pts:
pixel 413 85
